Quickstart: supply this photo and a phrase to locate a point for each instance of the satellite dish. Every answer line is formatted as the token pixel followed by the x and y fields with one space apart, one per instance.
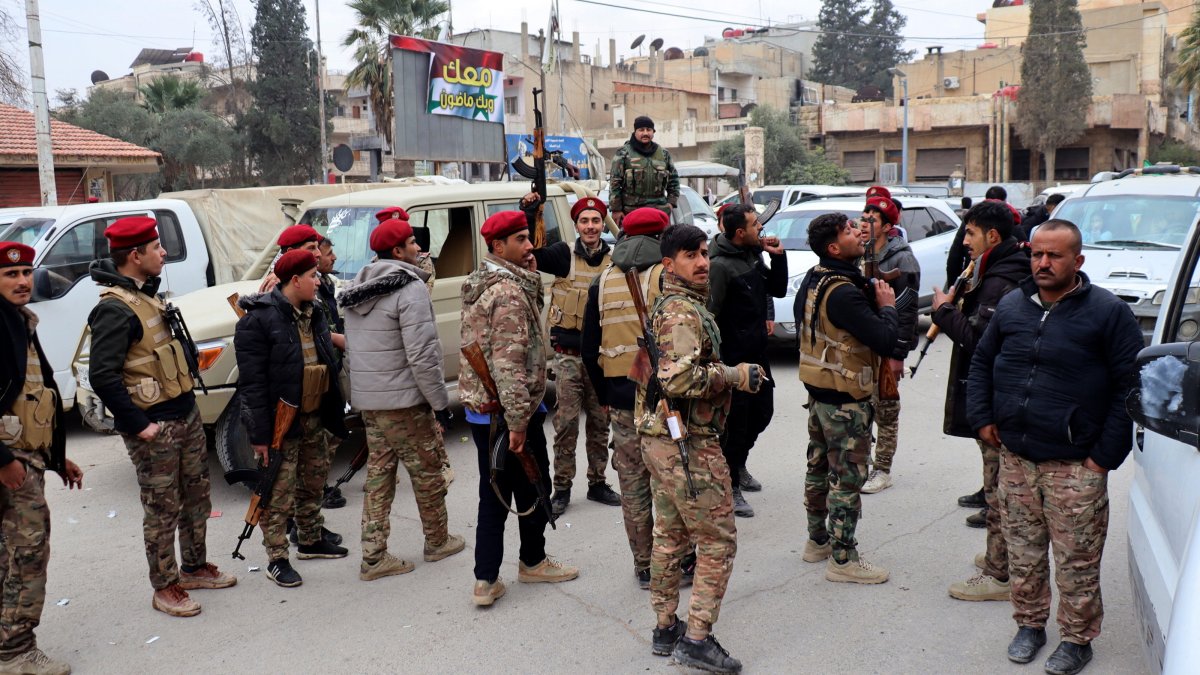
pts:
pixel 343 157
pixel 99 76
pixel 672 54
pixel 637 42
pixel 657 44
pixel 700 51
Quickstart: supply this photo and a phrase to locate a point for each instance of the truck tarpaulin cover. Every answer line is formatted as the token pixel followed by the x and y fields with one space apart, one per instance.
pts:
pixel 462 82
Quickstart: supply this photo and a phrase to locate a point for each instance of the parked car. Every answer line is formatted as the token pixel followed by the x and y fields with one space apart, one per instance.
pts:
pixel 929 223
pixel 789 195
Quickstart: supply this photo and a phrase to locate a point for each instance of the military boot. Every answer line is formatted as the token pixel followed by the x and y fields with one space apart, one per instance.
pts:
pixel 814 552
pixel 454 544
pixel 663 640
pixel 975 500
pixel 1068 659
pixel 1025 644
pixel 855 572
pixel 332 537
pixel 603 493
pixel 334 499
pixel 34 662
pixel 549 571
pixel 978 520
pixel 741 508
pixel 175 601
pixel 205 576
pixel 486 594
pixel 388 565
pixel 747 482
pixel 560 500
pixel 707 655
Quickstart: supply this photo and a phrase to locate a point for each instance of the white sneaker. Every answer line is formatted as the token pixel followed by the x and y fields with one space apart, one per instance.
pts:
pixel 877 481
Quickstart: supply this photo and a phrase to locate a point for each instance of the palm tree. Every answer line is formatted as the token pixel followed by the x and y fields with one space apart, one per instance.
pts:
pixel 170 92
pixel 377 19
pixel 1187 72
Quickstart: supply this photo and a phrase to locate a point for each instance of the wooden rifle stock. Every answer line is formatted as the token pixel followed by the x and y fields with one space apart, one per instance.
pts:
pixel 539 165
pixel 285 415
pixel 233 302
pixel 474 356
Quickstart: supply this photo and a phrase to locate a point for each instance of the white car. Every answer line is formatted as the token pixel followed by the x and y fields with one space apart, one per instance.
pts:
pixel 929 223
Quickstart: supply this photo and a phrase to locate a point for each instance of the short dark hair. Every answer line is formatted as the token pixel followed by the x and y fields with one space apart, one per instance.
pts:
pixel 120 256
pixel 996 192
pixel 1060 224
pixel 681 237
pixel 1055 198
pixel 733 217
pixel 823 231
pixel 966 202
pixel 989 215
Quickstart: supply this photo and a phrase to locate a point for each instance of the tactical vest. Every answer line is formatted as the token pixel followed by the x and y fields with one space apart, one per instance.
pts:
pixel 619 326
pixel 30 423
pixel 645 179
pixel 568 295
pixel 315 381
pixel 835 359
pixel 155 369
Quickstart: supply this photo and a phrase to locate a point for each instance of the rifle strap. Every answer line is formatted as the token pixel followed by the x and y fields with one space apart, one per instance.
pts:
pixel 495 472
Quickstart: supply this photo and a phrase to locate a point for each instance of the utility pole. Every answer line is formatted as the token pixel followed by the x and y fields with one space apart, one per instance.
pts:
pixel 41 107
pixel 321 102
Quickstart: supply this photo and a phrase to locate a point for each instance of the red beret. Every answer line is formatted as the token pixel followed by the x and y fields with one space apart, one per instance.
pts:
pixel 878 191
pixel 295 261
pixel 646 220
pixel 393 212
pixel 13 254
pixel 887 207
pixel 588 204
pixel 297 235
pixel 390 234
pixel 500 225
pixel 1015 213
pixel 131 232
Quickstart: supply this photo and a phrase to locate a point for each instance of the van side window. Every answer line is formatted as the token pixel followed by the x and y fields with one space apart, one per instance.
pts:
pixel 1185 318
pixel 449 236
pixel 172 235
pixel 553 234
pixel 68 259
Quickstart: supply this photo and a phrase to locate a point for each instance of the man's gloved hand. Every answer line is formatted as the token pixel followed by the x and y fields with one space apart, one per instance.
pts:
pixel 443 418
pixel 747 377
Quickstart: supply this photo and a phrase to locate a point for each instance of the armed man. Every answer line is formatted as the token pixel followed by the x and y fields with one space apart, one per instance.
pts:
pixel 139 370
pixel 681 412
pixel 575 268
pixel 879 228
pixel 846 326
pixel 502 302
pixel 642 174
pixel 32 439
pixel 740 298
pixel 610 344
pixel 284 351
pixel 397 382
pixel 1000 263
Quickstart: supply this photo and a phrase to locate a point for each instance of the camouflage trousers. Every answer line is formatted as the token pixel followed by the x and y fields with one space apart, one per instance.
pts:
pixel 407 436
pixel 996 553
pixel 887 430
pixel 634 479
pixel 23 559
pixel 681 521
pixel 1063 506
pixel 172 472
pixel 576 395
pixel 839 444
pixel 299 489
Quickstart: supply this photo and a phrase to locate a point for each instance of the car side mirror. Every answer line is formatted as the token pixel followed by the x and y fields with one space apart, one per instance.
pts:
pixel 1165 397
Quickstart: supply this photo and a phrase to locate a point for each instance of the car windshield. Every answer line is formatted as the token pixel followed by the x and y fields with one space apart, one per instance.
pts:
pixel 350 231
pixel 1131 221
pixel 27 230
pixel 792 226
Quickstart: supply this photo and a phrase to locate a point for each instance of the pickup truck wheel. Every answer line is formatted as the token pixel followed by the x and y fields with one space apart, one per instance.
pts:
pixel 233 444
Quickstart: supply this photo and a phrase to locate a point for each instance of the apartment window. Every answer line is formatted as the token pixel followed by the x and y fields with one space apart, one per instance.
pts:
pixel 720 93
pixel 620 124
pixel 733 94
pixel 606 106
pixel 510 105
pixel 593 105
pixel 893 156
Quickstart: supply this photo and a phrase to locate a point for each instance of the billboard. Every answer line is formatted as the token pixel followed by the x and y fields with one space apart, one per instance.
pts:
pixel 571 147
pixel 462 82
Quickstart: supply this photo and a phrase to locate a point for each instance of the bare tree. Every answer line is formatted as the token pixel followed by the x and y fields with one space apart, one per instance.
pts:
pixel 12 77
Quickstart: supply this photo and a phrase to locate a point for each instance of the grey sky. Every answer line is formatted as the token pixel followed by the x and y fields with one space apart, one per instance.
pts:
pixel 81 36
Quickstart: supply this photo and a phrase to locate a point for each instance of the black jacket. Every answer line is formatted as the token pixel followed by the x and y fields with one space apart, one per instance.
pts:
pixel 14 344
pixel 960 256
pixel 740 290
pixel 897 255
pixel 852 308
pixel 1054 381
pixel 271 365
pixel 556 259
pixel 115 328
pixel 1002 268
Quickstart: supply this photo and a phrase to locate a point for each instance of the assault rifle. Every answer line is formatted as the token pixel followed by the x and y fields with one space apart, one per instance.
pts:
pixel 359 461
pixel 645 371
pixel 260 501
pixel 889 388
pixel 498 439
pixel 960 285
pixel 180 332
pixel 536 218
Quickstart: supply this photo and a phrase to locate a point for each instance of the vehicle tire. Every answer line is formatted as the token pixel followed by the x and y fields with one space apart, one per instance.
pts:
pixel 232 441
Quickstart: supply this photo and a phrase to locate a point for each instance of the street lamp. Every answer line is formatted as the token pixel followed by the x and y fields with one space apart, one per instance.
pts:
pixel 896 72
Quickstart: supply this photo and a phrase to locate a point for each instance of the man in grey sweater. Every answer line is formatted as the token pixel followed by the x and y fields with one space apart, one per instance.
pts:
pixel 396 381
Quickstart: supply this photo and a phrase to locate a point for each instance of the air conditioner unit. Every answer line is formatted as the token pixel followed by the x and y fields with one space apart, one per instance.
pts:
pixel 889 173
pixel 950 83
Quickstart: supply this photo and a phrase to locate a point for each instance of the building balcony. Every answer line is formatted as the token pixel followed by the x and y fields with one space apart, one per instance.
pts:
pixel 351 126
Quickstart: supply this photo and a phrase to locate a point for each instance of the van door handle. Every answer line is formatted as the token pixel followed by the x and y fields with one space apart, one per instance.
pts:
pixel 1139 437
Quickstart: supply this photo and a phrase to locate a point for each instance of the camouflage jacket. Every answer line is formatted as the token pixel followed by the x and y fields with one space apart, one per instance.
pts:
pixel 501 310
pixel 690 371
pixel 638 179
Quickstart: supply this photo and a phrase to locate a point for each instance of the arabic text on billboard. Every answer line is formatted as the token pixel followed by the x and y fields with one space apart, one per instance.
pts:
pixel 463 82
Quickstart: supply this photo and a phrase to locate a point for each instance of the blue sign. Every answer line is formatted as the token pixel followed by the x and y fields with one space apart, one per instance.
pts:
pixel 572 150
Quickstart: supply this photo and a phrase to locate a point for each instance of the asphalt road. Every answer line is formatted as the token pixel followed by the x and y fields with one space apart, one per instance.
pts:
pixel 780 615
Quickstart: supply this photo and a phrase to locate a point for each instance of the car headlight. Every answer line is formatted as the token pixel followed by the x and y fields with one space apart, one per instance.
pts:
pixel 793 286
pixel 1192 297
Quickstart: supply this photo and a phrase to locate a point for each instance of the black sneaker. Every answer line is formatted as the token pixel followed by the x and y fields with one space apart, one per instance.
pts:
pixel 603 493
pixel 281 572
pixel 663 640
pixel 643 577
pixel 1068 659
pixel 321 549
pixel 749 483
pixel 741 509
pixel 688 567
pixel 707 655
pixel 333 498
pixel 975 500
pixel 331 537
pixel 558 503
pixel 978 520
pixel 1025 644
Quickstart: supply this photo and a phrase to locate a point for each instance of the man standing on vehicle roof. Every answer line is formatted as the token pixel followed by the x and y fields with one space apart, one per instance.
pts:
pixel 139 372
pixel 1048 385
pixel 642 174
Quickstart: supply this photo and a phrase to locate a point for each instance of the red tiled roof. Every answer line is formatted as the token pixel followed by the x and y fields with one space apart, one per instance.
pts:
pixel 18 139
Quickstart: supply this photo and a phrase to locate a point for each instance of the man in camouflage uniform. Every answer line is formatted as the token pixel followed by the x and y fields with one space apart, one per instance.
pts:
pixel 1047 385
pixel 691 385
pixel 32 439
pixel 642 174
pixel 327 294
pixel 397 383
pixel 502 302
pixel 845 325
